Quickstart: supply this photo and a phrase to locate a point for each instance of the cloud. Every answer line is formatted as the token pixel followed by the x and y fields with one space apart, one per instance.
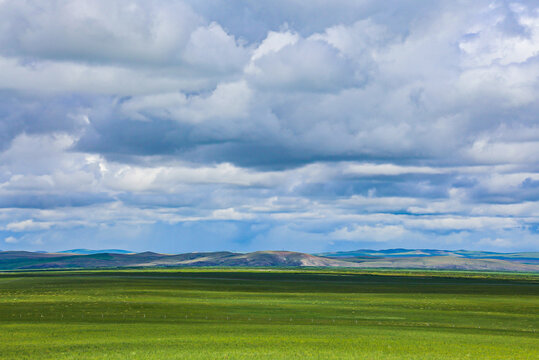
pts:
pixel 388 169
pixel 49 77
pixel 211 48
pixel 230 214
pixel 11 240
pixel 28 225
pixel 498 243
pixel 378 233
pixel 227 101
pixel 285 67
pixel 98 31
pixel 273 43
pixel 361 127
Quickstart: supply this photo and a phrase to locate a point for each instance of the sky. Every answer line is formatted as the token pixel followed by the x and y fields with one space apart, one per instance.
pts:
pixel 304 125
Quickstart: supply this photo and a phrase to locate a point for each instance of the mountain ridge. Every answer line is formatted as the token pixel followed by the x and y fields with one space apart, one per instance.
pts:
pixel 390 258
pixel 89 251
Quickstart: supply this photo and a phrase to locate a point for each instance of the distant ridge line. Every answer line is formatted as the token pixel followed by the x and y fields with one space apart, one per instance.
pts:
pixel 391 258
pixel 88 251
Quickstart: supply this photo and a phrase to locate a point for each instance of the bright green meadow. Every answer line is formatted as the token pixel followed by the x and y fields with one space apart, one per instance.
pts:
pixel 268 314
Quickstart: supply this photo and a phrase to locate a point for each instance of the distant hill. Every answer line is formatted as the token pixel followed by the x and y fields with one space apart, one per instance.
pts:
pixel 89 252
pixel 392 253
pixel 393 258
pixel 11 260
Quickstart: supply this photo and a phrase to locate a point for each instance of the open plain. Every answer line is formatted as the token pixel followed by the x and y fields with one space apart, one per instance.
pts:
pixel 268 314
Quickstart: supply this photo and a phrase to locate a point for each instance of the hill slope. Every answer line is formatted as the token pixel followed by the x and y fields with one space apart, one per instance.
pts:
pixel 534 256
pixel 89 252
pixel 396 258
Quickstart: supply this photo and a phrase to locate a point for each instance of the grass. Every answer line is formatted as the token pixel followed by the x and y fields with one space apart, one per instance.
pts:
pixel 268 314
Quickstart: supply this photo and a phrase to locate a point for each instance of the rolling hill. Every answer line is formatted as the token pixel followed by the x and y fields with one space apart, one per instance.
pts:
pixel 393 258
pixel 430 252
pixel 89 252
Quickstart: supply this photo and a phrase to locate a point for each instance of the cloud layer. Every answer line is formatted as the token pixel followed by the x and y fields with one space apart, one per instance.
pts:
pixel 180 126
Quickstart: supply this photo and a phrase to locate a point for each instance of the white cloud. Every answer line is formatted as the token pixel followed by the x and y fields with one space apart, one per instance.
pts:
pixel 463 223
pixel 300 65
pixel 230 214
pixel 488 44
pixel 11 240
pixel 132 32
pixel 388 169
pixel 377 233
pixel 121 48
pixel 227 101
pixel 356 125
pixel 273 43
pixel 213 49
pixel 28 225
pixel 485 151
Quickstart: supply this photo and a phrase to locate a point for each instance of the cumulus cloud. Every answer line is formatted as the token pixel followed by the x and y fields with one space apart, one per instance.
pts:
pixel 227 101
pixel 28 225
pixel 97 31
pixel 284 128
pixel 11 240
pixel 306 65
pixel 212 49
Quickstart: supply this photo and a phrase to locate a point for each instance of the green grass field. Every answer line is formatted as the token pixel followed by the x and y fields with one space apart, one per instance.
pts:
pixel 268 314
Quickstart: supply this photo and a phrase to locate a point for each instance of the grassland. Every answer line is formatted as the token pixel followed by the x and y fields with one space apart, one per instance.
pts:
pixel 268 314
